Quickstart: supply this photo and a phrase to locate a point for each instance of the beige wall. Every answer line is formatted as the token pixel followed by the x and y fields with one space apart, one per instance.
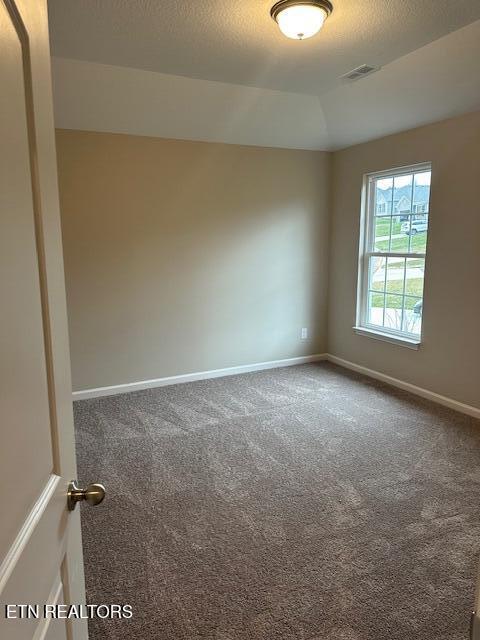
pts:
pixel 186 256
pixel 448 361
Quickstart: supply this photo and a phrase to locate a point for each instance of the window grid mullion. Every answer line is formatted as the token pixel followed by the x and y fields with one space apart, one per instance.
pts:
pixel 393 196
pixel 370 241
pixel 410 220
pixel 403 292
pixel 385 287
pixel 393 254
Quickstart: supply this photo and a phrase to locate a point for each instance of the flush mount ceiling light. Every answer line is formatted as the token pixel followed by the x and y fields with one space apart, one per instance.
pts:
pixel 300 19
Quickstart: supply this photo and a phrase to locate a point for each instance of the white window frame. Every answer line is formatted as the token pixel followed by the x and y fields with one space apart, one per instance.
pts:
pixel 366 246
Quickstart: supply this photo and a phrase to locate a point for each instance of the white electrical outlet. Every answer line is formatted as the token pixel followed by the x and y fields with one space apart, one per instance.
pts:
pixel 304 333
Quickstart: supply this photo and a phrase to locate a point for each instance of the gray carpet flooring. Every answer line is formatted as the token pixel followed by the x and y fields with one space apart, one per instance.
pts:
pixel 304 503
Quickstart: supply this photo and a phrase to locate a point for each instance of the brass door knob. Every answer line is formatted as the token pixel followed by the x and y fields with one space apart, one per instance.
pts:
pixel 94 494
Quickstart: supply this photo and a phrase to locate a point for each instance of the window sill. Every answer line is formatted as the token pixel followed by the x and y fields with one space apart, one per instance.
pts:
pixel 410 343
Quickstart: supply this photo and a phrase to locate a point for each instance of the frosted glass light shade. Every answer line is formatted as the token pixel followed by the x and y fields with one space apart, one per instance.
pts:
pixel 301 21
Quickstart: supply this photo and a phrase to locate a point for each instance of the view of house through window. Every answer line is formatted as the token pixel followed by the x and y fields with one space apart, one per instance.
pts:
pixel 392 259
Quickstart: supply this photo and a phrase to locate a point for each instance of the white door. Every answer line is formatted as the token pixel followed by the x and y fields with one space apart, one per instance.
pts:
pixel 40 547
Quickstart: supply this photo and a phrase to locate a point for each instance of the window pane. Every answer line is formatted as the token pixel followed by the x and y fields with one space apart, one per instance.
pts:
pixel 393 312
pixel 412 315
pixel 382 233
pixel 400 237
pixel 414 277
pixel 376 303
pixel 395 275
pixel 421 192
pixel 377 273
pixel 411 301
pixel 417 229
pixel 402 194
pixel 383 196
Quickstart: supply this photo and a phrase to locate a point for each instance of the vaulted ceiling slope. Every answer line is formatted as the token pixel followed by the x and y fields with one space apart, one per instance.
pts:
pixel 222 71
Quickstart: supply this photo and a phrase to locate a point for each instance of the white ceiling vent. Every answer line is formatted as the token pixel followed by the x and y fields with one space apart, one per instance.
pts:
pixel 359 72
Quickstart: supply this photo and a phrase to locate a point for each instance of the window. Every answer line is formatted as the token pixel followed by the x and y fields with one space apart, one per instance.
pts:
pixel 392 254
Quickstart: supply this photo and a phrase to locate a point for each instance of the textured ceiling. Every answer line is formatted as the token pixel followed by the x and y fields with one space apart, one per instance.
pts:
pixel 437 81
pixel 236 41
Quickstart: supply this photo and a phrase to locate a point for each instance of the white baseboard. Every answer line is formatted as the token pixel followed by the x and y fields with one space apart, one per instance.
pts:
pixel 191 377
pixel 406 386
pixel 275 364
